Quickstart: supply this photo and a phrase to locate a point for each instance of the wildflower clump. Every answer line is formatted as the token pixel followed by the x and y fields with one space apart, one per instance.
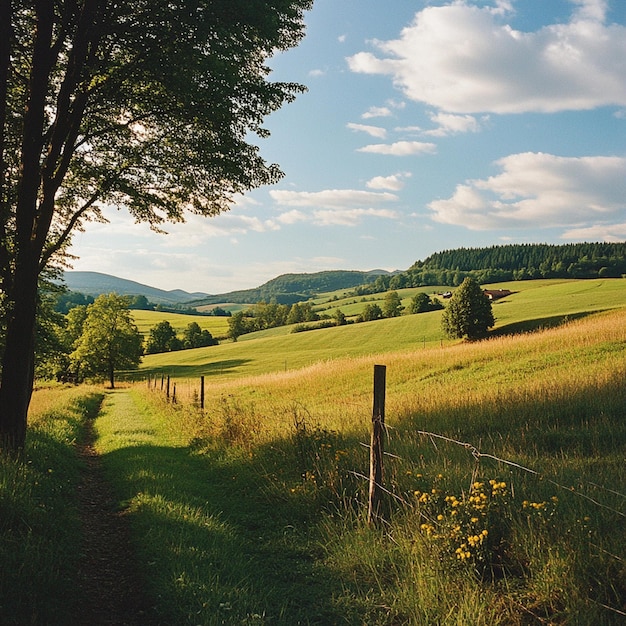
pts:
pixel 466 530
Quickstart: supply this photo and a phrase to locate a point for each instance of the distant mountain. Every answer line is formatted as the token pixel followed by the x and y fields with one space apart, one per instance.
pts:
pixel 290 288
pixel 95 283
pixel 284 289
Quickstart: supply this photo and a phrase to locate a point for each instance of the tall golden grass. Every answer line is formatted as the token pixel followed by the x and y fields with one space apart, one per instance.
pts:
pixel 501 372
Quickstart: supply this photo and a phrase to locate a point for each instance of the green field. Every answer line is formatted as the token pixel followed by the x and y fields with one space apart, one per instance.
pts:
pixel 145 320
pixel 504 475
pixel 534 304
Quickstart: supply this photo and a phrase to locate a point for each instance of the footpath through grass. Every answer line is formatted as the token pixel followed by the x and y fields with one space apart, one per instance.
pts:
pixel 216 546
pixel 39 512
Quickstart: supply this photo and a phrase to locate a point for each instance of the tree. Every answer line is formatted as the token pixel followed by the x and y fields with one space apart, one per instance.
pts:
pixel 468 313
pixel 147 105
pixel 162 338
pixel 340 318
pixel 421 303
pixel 392 304
pixel 74 323
pixel 237 325
pixel 195 337
pixel 370 313
pixel 110 340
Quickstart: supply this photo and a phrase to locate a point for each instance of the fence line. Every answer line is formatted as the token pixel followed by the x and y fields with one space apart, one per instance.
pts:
pixel 197 398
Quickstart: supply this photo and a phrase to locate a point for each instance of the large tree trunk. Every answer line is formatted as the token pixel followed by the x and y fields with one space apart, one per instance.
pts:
pixel 18 362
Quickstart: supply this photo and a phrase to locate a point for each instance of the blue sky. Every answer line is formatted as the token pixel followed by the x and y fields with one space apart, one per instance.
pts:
pixel 427 125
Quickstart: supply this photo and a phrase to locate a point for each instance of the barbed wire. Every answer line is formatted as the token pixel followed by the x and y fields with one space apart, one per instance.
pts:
pixel 477 454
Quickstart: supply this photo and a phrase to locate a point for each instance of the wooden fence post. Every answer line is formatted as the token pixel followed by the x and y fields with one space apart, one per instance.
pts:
pixel 377 446
pixel 202 392
pixel 174 394
pixel 167 392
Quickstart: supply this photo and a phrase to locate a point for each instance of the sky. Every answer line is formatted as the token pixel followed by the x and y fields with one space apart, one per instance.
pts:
pixel 427 126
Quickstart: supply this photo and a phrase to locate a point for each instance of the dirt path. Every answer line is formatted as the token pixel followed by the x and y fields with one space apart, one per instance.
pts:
pixel 109 581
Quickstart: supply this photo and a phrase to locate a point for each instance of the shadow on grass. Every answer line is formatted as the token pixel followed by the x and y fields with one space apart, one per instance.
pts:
pixel 220 546
pixel 39 520
pixel 542 323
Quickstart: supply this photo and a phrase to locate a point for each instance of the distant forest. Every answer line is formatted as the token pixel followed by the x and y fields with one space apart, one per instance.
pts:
pixel 509 262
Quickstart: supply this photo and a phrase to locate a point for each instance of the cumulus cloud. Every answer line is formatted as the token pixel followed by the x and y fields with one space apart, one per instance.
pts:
pixel 224 225
pixel 331 198
pixel 350 217
pixel 540 190
pixel 463 58
pixel 292 217
pixel 377 112
pixel 400 148
pixel 451 124
pixel 395 182
pixel 334 207
pixel 373 131
pixel 611 233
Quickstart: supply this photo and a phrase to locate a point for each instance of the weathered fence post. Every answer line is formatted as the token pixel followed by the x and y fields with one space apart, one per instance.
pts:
pixel 202 392
pixel 174 394
pixel 377 447
pixel 167 392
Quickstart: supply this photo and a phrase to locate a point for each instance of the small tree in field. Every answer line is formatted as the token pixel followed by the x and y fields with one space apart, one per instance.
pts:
pixel 468 313
pixel 392 305
pixel 370 313
pixel 162 338
pixel 110 340
pixel 421 303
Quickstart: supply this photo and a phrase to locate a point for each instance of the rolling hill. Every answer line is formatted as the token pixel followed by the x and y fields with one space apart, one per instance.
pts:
pixel 95 283
pixel 284 289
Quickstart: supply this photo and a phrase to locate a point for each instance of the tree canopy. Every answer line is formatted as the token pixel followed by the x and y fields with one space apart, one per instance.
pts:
pixel 468 313
pixel 147 105
pixel 110 339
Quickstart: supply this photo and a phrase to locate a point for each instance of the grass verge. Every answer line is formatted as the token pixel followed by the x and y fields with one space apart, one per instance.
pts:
pixel 39 520
pixel 512 511
pixel 219 544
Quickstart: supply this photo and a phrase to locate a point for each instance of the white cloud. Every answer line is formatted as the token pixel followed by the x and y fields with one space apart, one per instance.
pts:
pixel 374 131
pixel 537 190
pixel 349 217
pixel 316 73
pixel 594 10
pixel 400 148
pixel 197 228
pixel 461 58
pixel 394 182
pixel 334 207
pixel 241 201
pixel 377 112
pixel 613 233
pixel 331 198
pixel 451 124
pixel 292 217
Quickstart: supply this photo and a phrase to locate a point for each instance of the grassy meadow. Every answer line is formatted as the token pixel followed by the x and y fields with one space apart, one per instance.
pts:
pixel 535 304
pixel 504 473
pixel 39 519
pixel 146 320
